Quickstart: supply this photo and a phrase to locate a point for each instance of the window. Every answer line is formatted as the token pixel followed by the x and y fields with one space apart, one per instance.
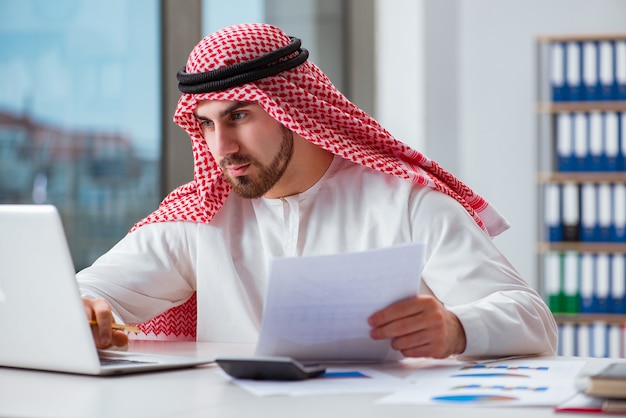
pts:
pixel 80 123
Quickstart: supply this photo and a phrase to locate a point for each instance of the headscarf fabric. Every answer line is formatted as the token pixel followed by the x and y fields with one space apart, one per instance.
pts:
pixel 305 101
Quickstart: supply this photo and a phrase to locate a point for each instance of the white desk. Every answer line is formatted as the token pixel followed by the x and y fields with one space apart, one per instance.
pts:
pixel 201 392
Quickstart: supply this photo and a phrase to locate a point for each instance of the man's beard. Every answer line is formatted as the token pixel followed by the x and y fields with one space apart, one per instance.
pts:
pixel 255 187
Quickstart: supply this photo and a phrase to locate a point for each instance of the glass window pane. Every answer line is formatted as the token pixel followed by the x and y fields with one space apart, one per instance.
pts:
pixel 80 116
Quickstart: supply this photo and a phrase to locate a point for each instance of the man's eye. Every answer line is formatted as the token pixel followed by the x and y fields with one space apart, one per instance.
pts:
pixel 206 123
pixel 238 115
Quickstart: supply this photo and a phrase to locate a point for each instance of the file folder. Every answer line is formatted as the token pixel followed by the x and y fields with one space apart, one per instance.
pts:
pixel 583 340
pixel 567 340
pixel 621 122
pixel 615 341
pixel 607 70
pixel 583 158
pixel 599 339
pixel 605 213
pixel 610 133
pixel 619 212
pixel 602 283
pixel 553 280
pixel 565 142
pixel 620 69
pixel 589 213
pixel 618 285
pixel 557 71
pixel 596 145
pixel 571 212
pixel 591 83
pixel 571 294
pixel 587 280
pixel 552 212
pixel 573 78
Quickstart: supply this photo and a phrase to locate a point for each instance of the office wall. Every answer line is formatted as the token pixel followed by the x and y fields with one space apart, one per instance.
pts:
pixel 497 94
pixel 479 88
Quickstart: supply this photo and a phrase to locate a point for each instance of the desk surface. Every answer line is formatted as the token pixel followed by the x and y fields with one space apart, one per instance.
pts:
pixel 200 392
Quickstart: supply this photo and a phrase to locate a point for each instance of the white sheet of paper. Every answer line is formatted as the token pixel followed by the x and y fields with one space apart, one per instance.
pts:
pixel 337 380
pixel 316 308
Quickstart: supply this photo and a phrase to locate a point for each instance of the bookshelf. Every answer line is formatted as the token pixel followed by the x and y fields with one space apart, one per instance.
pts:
pixel 581 185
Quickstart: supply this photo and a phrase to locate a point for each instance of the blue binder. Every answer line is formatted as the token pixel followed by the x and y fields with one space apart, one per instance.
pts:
pixel 591 82
pixel 588 213
pixel 606 224
pixel 602 285
pixel 597 155
pixel 583 339
pixel 621 135
pixel 587 282
pixel 620 69
pixel 552 212
pixel 573 67
pixel 608 85
pixel 618 284
pixel 583 159
pixel 599 339
pixel 557 72
pixel 618 202
pixel 610 141
pixel 565 142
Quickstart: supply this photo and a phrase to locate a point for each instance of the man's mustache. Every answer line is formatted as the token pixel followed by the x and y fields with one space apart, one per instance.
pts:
pixel 236 159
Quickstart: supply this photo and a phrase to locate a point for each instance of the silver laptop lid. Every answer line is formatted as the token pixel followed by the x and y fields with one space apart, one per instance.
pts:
pixel 42 319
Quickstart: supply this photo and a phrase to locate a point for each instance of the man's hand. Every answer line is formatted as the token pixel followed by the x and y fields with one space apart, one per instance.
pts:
pixel 104 336
pixel 419 327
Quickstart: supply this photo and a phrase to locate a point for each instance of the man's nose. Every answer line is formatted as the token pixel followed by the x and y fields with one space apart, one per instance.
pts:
pixel 225 141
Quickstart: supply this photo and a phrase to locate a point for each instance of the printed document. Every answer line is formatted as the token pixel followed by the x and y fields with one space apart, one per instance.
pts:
pixel 316 308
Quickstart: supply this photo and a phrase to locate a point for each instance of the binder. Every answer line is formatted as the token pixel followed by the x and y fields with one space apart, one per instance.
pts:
pixel 564 142
pixel 605 213
pixel 602 283
pixel 615 341
pixel 618 284
pixel 583 340
pixel 597 156
pixel 610 134
pixel 620 69
pixel 552 281
pixel 571 294
pixel 607 70
pixel 587 280
pixel 557 72
pixel 583 159
pixel 599 339
pixel 589 213
pixel 573 70
pixel 591 83
pixel 571 212
pixel 624 339
pixel 621 122
pixel 567 340
pixel 552 212
pixel 619 212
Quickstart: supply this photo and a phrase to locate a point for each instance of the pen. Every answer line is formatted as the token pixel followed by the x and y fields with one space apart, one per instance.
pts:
pixel 119 326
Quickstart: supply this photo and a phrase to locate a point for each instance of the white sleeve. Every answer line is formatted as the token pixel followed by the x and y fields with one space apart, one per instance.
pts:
pixel 500 313
pixel 149 271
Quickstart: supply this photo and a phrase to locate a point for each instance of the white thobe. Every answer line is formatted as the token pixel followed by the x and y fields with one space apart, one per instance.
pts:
pixel 351 208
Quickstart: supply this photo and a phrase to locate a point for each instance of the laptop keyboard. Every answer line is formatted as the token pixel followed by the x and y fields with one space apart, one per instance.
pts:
pixel 122 362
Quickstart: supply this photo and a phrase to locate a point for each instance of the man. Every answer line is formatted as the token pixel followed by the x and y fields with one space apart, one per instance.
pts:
pixel 286 166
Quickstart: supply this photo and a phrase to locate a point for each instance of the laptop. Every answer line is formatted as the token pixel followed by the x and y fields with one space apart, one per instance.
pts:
pixel 43 324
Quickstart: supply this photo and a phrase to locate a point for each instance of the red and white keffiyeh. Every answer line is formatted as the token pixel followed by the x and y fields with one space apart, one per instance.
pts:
pixel 304 100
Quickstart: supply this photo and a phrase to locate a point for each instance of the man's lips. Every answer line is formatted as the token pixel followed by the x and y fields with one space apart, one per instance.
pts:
pixel 237 170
